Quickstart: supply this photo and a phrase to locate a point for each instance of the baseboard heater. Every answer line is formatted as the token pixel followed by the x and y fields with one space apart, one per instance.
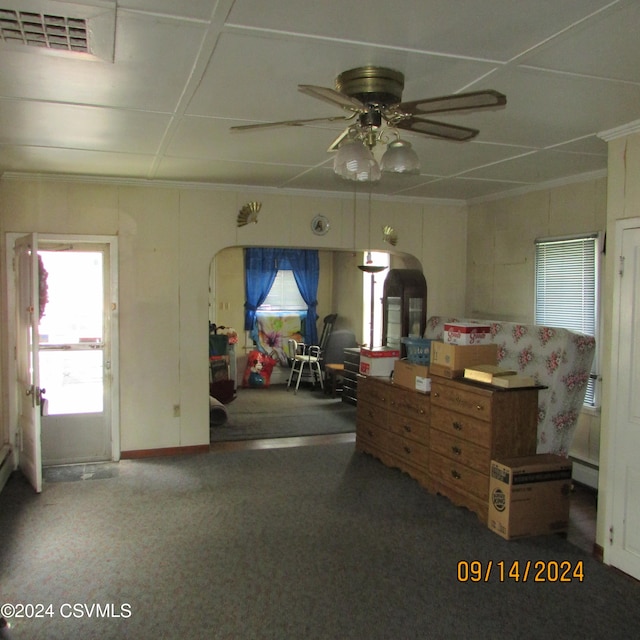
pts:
pixel 6 464
pixel 585 472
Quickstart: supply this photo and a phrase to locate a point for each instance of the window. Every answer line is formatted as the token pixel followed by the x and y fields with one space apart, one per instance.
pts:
pixel 567 289
pixel 284 294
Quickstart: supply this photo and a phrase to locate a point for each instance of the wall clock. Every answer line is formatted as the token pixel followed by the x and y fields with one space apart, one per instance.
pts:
pixel 320 225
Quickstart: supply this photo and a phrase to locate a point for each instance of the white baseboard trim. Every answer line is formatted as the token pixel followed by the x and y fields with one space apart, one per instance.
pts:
pixel 585 473
pixel 6 464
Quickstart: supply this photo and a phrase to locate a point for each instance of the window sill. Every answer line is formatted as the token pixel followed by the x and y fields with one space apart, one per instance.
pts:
pixel 591 411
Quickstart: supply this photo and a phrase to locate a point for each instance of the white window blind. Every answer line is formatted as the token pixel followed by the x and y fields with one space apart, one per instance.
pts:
pixel 284 294
pixel 567 289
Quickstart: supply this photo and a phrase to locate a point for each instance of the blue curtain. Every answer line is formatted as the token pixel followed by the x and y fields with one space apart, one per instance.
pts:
pixel 306 271
pixel 261 266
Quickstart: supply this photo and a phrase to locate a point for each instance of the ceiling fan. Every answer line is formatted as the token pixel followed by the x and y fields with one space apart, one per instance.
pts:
pixel 373 97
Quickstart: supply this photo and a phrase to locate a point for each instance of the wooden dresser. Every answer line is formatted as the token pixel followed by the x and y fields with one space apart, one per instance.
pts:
pixel 470 425
pixel 392 424
pixel 446 440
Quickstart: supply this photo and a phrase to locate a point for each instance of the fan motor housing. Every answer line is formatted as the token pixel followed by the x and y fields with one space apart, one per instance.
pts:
pixel 372 85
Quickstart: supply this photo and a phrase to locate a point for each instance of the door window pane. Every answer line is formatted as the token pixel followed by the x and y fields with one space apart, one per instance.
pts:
pixel 72 381
pixel 74 310
pixel 71 332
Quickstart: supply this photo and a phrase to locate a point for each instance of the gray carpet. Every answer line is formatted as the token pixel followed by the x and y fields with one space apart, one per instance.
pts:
pixel 277 413
pixel 294 543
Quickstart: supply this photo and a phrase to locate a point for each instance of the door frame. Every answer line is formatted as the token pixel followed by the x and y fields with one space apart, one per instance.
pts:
pixel 610 551
pixel 112 309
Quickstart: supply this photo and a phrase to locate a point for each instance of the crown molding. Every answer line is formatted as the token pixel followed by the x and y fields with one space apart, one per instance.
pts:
pixel 360 194
pixel 309 193
pixel 620 132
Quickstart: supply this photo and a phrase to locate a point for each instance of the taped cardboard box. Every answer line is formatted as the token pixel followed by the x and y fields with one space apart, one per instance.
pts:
pixel 529 495
pixel 412 376
pixel 450 360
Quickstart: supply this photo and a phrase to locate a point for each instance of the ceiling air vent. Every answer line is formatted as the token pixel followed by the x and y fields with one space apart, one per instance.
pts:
pixel 43 30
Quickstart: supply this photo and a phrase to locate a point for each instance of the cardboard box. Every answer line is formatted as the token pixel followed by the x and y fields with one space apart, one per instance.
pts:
pixel 466 333
pixel 412 376
pixel 529 496
pixel 378 362
pixel 450 360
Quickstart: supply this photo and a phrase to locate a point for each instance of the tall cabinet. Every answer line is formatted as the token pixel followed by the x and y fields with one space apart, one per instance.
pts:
pixel 404 306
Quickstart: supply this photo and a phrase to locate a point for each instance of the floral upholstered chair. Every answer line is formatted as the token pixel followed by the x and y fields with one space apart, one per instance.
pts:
pixel 556 358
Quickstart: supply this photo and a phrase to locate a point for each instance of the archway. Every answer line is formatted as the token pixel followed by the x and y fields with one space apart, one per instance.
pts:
pixel 340 287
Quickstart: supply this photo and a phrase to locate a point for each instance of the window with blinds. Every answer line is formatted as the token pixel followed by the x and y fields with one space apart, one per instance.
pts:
pixel 284 294
pixel 566 289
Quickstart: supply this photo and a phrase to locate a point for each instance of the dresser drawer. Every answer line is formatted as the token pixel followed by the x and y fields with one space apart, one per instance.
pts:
pixel 374 434
pixel 465 399
pixel 409 427
pixel 458 476
pixel 409 402
pixel 462 426
pixel 373 391
pixel 410 451
pixel 369 412
pixel 462 451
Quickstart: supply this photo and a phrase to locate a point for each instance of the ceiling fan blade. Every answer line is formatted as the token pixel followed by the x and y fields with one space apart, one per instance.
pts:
pixel 338 141
pixel 287 123
pixel 437 129
pixel 458 102
pixel 332 97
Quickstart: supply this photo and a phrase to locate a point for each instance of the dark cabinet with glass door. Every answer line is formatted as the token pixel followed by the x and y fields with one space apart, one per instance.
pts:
pixel 404 307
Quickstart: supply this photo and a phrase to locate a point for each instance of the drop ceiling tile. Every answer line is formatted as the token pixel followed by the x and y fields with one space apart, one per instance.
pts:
pixel 323 178
pixel 446 158
pixel 212 138
pixel 74 162
pixel 492 29
pixel 545 109
pixel 463 189
pixel 225 172
pixel 70 126
pixel 588 48
pixel 541 166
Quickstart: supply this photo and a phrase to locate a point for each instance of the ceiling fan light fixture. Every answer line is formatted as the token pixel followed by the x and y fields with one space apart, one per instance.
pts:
pixel 354 161
pixel 400 158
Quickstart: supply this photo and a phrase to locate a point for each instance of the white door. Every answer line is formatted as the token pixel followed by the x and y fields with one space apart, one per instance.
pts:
pixel 74 353
pixel 624 538
pixel 29 392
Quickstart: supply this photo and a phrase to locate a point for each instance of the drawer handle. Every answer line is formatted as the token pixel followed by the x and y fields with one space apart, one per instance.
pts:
pixel 422 412
pixel 370 433
pixel 407 427
pixel 479 407
pixel 455 474
pixel 407 449
pixel 371 413
pixel 456 450
pixel 457 426
pixel 436 394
